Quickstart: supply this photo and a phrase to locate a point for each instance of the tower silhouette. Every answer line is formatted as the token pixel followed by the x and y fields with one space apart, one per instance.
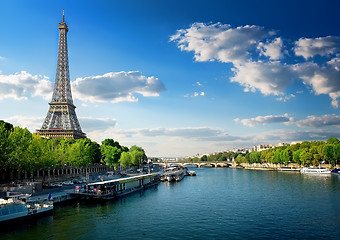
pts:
pixel 61 120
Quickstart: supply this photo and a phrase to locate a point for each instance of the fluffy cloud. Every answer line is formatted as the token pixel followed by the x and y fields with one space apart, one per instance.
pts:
pixel 238 45
pixel 263 120
pixel 323 79
pixel 19 85
pixel 323 46
pixel 272 49
pixel 267 77
pixel 31 123
pixel 257 57
pixel 116 87
pixel 285 98
pixel 319 121
pixel 220 42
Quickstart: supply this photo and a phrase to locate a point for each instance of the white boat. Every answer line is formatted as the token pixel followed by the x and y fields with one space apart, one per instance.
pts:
pixel 175 173
pixel 319 170
pixel 15 209
pixel 192 173
pixel 288 169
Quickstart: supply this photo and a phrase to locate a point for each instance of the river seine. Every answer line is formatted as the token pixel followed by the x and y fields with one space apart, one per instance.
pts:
pixel 216 204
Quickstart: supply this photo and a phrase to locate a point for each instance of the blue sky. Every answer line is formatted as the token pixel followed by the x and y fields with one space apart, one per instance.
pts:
pixel 178 78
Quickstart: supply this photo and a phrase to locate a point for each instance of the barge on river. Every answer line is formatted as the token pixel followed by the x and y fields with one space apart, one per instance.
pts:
pixel 13 209
pixel 116 188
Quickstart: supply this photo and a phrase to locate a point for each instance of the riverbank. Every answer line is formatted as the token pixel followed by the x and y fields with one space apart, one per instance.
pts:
pixel 275 167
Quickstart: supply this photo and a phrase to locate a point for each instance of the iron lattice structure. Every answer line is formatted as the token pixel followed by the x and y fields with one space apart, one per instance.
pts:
pixel 61 120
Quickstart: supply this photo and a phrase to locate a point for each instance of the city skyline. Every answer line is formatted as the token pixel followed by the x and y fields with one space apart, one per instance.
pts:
pixel 178 78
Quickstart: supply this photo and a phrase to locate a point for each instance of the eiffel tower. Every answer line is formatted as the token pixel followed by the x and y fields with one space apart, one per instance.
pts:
pixel 61 120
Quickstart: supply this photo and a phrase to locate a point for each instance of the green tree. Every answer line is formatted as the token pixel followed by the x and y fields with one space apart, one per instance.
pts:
pixel 328 151
pixel 240 159
pixel 125 159
pixel 336 153
pixel 137 155
pixel 5 129
pixel 204 158
pixel 333 141
pixel 306 158
pixel 296 157
pixel 110 155
pixel 19 141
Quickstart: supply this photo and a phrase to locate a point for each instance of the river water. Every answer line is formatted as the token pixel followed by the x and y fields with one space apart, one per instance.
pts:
pixel 216 204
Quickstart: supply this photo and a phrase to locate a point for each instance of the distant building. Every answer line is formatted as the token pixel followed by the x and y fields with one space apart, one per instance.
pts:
pixel 261 147
pixel 240 150
pixel 295 142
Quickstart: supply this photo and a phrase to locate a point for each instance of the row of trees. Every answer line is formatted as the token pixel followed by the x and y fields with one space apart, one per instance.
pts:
pixel 305 153
pixel 20 150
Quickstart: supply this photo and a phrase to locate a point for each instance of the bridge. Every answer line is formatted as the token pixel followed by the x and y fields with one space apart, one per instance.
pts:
pixel 202 164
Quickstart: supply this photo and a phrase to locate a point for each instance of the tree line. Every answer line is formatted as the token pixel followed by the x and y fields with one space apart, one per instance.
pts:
pixel 21 150
pixel 305 154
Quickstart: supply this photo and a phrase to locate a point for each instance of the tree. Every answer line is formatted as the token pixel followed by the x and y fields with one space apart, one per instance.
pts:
pixel 333 141
pixel 125 159
pixel 306 158
pixel 204 158
pixel 277 156
pixel 4 144
pixel 328 151
pixel 110 155
pixel 305 145
pixel 240 159
pixel 19 141
pixel 286 156
pixel 137 155
pixel 336 154
pixel 296 157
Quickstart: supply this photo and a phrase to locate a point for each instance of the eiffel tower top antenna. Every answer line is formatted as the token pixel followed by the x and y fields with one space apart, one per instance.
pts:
pixel 63 15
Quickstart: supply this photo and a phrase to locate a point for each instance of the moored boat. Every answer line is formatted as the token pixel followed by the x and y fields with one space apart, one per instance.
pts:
pixel 318 170
pixel 192 173
pixel 175 173
pixel 14 209
pixel 111 189
pixel 288 169
pixel 336 171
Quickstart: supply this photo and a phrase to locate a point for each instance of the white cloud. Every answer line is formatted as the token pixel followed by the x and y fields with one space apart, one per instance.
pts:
pixel 199 84
pixel 31 123
pixel 243 47
pixel 285 98
pixel 116 87
pixel 20 85
pixel 196 94
pixel 2 58
pixel 263 120
pixel 323 46
pixel 319 121
pixel 220 42
pixel 323 79
pixel 267 77
pixel 272 49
